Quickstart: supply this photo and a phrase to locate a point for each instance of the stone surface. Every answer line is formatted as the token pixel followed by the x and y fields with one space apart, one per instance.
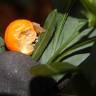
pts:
pixel 14 73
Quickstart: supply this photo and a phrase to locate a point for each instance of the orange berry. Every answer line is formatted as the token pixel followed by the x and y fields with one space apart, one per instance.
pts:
pixel 20 35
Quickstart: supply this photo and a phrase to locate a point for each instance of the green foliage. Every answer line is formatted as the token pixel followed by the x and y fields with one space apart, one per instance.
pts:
pixel 67 34
pixel 77 47
pixel 45 38
pixel 77 59
pixel 2 45
pixel 65 46
pixel 90 6
pixel 70 36
pixel 52 69
pixel 68 47
pixel 52 47
pixel 91 19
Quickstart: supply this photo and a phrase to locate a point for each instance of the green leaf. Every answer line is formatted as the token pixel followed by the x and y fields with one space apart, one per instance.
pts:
pixel 77 59
pixel 90 5
pixel 91 19
pixel 77 47
pixel 2 45
pixel 1 42
pixel 53 45
pixel 69 31
pixel 52 69
pixel 92 34
pixel 44 39
pixel 86 35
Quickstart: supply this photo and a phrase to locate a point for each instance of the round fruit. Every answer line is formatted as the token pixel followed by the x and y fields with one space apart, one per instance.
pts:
pixel 20 35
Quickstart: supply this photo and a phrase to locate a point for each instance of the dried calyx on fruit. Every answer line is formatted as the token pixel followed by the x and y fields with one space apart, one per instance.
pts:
pixel 21 35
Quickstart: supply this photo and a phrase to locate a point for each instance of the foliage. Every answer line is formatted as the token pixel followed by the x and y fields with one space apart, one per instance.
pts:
pixel 45 38
pixel 52 69
pixel 71 47
pixel 68 38
pixel 2 45
pixel 68 44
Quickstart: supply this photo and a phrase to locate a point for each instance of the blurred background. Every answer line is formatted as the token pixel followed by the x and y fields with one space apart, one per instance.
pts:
pixel 34 10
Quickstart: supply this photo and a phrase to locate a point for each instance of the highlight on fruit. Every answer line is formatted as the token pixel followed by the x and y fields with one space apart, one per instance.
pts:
pixel 21 35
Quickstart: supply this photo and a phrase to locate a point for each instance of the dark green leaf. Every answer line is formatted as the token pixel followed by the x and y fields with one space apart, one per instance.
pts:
pixel 44 39
pixel 52 69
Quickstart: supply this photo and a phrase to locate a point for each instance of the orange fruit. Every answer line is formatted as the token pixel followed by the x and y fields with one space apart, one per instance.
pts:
pixel 20 36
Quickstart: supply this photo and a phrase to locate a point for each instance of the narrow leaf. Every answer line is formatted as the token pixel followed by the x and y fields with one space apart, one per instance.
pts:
pixel 45 37
pixel 52 69
pixel 55 40
pixel 69 32
pixel 77 47
pixel 76 60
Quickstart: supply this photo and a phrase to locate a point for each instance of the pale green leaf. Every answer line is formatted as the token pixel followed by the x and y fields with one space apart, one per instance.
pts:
pixel 77 47
pixel 69 31
pixel 76 60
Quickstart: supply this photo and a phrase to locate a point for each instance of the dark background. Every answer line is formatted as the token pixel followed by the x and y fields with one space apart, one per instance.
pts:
pixel 34 10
